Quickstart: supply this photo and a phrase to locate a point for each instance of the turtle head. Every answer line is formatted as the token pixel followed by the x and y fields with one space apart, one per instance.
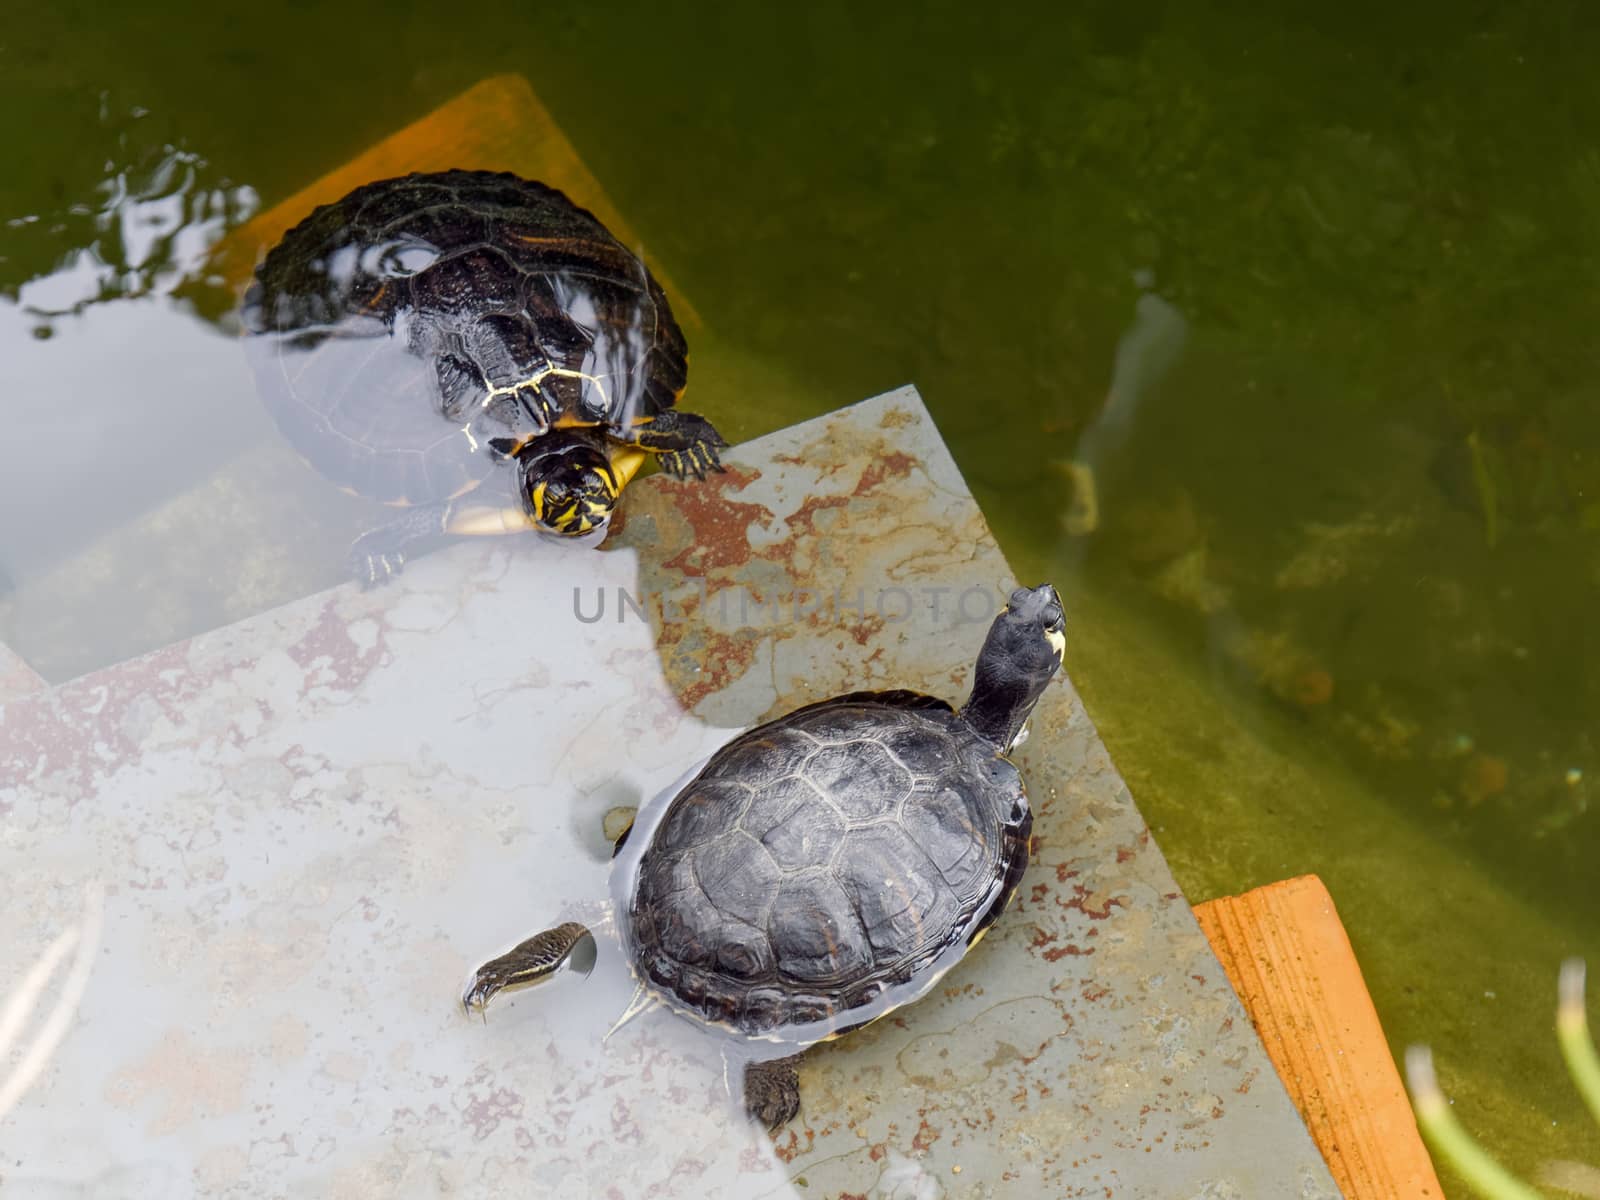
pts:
pixel 570 484
pixel 1019 658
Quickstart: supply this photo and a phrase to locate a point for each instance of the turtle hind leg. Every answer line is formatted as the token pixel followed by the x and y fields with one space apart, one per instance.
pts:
pixel 685 443
pixel 380 554
pixel 772 1091
pixel 530 962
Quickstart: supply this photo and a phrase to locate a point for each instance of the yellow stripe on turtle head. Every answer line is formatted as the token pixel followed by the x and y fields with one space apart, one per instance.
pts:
pixel 1058 642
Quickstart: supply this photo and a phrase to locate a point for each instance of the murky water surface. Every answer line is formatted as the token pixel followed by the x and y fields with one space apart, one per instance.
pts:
pixel 1310 300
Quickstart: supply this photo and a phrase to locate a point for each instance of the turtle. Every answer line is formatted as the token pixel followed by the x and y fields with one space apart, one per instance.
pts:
pixel 823 868
pixel 425 329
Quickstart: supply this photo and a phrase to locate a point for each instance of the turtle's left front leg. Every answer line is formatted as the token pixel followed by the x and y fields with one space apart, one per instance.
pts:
pixel 686 443
pixel 380 554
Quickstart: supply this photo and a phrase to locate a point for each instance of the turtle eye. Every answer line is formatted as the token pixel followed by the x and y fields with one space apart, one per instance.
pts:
pixel 551 499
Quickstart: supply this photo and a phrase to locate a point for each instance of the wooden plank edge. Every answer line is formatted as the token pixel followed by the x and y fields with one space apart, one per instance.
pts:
pixel 1289 959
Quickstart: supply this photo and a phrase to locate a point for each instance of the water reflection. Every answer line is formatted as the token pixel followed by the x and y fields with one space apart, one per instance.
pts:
pixel 1147 350
pixel 132 431
pixel 145 231
pixel 22 1060
pixel 118 395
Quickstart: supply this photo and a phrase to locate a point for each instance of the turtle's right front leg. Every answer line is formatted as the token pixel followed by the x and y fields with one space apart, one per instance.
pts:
pixel 378 555
pixel 532 961
pixel 684 443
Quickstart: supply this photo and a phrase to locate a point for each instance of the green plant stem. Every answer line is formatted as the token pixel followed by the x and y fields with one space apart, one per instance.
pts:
pixel 1450 1141
pixel 1572 1031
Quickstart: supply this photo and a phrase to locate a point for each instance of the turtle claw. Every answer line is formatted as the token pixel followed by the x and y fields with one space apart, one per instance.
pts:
pixel 672 463
pixel 379 556
pixel 479 992
pixel 772 1092
pixel 374 568
pixel 502 448
pixel 697 459
pixel 685 443
pixel 710 460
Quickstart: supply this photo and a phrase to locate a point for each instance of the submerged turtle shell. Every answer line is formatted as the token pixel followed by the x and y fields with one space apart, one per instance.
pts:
pixel 396 331
pixel 827 867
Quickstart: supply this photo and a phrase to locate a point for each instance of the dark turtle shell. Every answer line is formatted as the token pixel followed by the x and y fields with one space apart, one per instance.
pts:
pixel 396 331
pixel 827 867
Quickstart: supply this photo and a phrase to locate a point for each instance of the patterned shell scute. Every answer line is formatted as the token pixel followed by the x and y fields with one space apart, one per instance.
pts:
pixel 398 330
pixel 811 876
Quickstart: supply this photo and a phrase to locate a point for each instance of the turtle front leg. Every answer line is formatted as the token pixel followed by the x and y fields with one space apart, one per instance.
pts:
pixel 772 1091
pixel 530 962
pixel 686 443
pixel 378 555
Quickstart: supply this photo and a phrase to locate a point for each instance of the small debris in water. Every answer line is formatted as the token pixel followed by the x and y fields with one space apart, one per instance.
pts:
pixel 1484 776
pixel 617 821
pixel 1312 688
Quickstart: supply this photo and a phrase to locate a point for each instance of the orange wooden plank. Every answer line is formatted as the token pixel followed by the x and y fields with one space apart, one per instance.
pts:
pixel 1287 956
pixel 495 125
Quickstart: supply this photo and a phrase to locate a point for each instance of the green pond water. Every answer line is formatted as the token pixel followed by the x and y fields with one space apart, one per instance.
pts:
pixel 1313 293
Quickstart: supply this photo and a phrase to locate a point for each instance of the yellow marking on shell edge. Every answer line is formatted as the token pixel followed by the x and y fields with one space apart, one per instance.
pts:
pixel 529 239
pixel 483 521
